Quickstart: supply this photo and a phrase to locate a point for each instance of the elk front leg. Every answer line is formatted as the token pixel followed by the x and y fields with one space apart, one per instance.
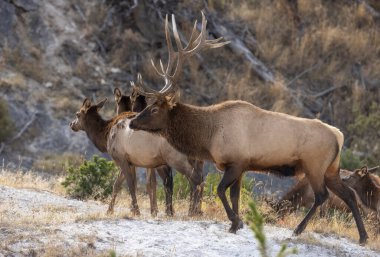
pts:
pixel 151 188
pixel 115 190
pixel 196 183
pixel 230 176
pixel 131 181
pixel 166 175
pixel 234 196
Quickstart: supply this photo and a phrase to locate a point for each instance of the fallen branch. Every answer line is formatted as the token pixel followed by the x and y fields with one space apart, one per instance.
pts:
pixel 325 92
pixel 24 128
pixel 20 133
pixel 303 73
pixel 239 48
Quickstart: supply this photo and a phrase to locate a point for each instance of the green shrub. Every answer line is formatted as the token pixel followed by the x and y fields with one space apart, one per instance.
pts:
pixel 365 131
pixel 93 179
pixel 6 125
pixel 349 161
pixel 181 188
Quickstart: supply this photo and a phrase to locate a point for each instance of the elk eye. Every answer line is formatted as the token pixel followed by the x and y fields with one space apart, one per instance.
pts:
pixel 77 114
pixel 154 110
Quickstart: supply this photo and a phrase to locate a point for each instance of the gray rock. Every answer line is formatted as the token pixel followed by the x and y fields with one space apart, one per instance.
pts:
pixel 7 22
pixel 26 5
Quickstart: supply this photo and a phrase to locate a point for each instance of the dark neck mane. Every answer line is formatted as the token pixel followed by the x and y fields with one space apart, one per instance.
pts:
pixel 98 129
pixel 189 130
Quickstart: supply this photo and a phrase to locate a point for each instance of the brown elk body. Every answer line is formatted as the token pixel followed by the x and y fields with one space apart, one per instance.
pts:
pixel 137 103
pixel 125 147
pixel 302 195
pixel 238 136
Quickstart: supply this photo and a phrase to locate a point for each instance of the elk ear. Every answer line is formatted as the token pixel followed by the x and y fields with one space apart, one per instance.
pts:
pixel 172 99
pixel 86 104
pixel 363 171
pixel 373 169
pixel 117 94
pixel 101 104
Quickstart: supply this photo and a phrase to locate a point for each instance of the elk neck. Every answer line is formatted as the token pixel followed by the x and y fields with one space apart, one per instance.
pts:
pixel 189 130
pixel 97 130
pixel 369 191
pixel 139 104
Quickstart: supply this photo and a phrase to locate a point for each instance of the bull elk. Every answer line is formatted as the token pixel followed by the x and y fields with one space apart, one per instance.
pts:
pixel 124 146
pixel 137 103
pixel 238 136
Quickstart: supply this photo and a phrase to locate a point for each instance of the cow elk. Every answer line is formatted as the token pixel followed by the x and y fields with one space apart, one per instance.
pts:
pixel 137 103
pixel 301 195
pixel 125 147
pixel 238 136
pixel 367 188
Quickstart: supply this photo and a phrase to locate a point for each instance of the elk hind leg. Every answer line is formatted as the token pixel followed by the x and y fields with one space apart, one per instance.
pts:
pixel 115 190
pixel 335 184
pixel 321 194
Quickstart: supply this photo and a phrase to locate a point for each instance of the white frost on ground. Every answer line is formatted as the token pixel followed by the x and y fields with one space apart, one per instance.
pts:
pixel 152 237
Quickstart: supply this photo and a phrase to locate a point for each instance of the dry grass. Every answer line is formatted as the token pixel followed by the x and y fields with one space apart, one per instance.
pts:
pixel 29 66
pixel 13 80
pixel 32 180
pixel 57 163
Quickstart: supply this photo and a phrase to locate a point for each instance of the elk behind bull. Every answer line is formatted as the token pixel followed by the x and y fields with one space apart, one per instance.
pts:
pixel 137 103
pixel 238 136
pixel 124 146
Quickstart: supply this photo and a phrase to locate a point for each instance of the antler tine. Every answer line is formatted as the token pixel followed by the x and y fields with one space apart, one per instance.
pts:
pixel 176 35
pixel 195 44
pixel 139 79
pixel 141 89
pixel 171 53
pixel 155 68
pixel 192 38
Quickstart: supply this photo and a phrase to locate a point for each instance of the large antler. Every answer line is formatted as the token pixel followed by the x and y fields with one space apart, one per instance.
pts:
pixel 194 45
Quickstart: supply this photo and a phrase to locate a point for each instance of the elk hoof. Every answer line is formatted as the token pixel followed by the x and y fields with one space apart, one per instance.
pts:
pixel 169 213
pixel 109 211
pixel 154 212
pixel 195 213
pixel 135 212
pixel 298 230
pixel 363 240
pixel 236 225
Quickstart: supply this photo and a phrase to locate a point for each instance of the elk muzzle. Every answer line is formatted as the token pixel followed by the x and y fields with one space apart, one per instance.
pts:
pixel 133 125
pixel 74 126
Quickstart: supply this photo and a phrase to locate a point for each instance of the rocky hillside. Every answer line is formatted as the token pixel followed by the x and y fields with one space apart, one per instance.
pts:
pixel 309 58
